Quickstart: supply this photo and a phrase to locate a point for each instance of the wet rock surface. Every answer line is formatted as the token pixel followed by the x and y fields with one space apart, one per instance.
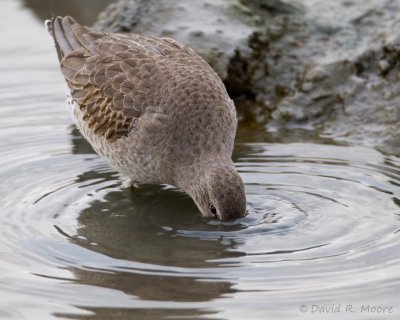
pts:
pixel 332 67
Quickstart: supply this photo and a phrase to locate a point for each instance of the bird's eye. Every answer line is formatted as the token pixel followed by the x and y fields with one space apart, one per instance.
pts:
pixel 213 211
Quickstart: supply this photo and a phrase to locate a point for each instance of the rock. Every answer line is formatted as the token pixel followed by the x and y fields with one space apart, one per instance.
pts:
pixel 215 29
pixel 350 91
pixel 331 66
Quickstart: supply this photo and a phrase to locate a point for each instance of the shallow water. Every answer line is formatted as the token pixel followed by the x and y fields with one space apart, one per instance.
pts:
pixel 323 224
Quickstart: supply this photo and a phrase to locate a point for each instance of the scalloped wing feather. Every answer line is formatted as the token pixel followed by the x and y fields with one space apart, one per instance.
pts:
pixel 113 77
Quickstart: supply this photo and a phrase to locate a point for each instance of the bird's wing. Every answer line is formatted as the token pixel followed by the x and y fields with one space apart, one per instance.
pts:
pixel 113 77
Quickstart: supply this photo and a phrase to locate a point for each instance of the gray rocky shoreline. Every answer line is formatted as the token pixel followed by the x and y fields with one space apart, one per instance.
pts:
pixel 331 67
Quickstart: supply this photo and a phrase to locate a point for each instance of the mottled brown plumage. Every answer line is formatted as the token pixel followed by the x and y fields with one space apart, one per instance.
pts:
pixel 154 109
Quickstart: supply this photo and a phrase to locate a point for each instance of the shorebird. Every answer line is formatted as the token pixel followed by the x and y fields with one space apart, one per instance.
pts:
pixel 155 111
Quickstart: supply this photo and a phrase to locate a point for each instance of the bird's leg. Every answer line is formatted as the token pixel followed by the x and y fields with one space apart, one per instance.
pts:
pixel 134 186
pixel 129 183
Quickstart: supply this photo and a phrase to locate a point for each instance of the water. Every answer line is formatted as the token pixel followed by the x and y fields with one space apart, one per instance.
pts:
pixel 323 228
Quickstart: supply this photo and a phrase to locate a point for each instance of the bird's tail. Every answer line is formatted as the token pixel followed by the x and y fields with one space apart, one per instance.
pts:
pixel 69 35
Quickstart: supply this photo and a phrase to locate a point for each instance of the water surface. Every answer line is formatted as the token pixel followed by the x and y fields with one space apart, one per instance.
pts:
pixel 323 224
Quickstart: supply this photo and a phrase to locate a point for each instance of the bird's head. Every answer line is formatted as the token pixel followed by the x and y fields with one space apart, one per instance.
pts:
pixel 219 193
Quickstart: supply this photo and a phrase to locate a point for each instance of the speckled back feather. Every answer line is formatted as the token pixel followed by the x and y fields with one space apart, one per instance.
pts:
pixel 116 78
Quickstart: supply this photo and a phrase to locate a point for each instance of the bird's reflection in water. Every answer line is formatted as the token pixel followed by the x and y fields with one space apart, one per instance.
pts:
pixel 152 224
pixel 142 229
pixel 159 245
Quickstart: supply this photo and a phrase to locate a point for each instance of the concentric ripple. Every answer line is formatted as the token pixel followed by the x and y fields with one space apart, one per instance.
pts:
pixel 323 223
pixel 323 226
